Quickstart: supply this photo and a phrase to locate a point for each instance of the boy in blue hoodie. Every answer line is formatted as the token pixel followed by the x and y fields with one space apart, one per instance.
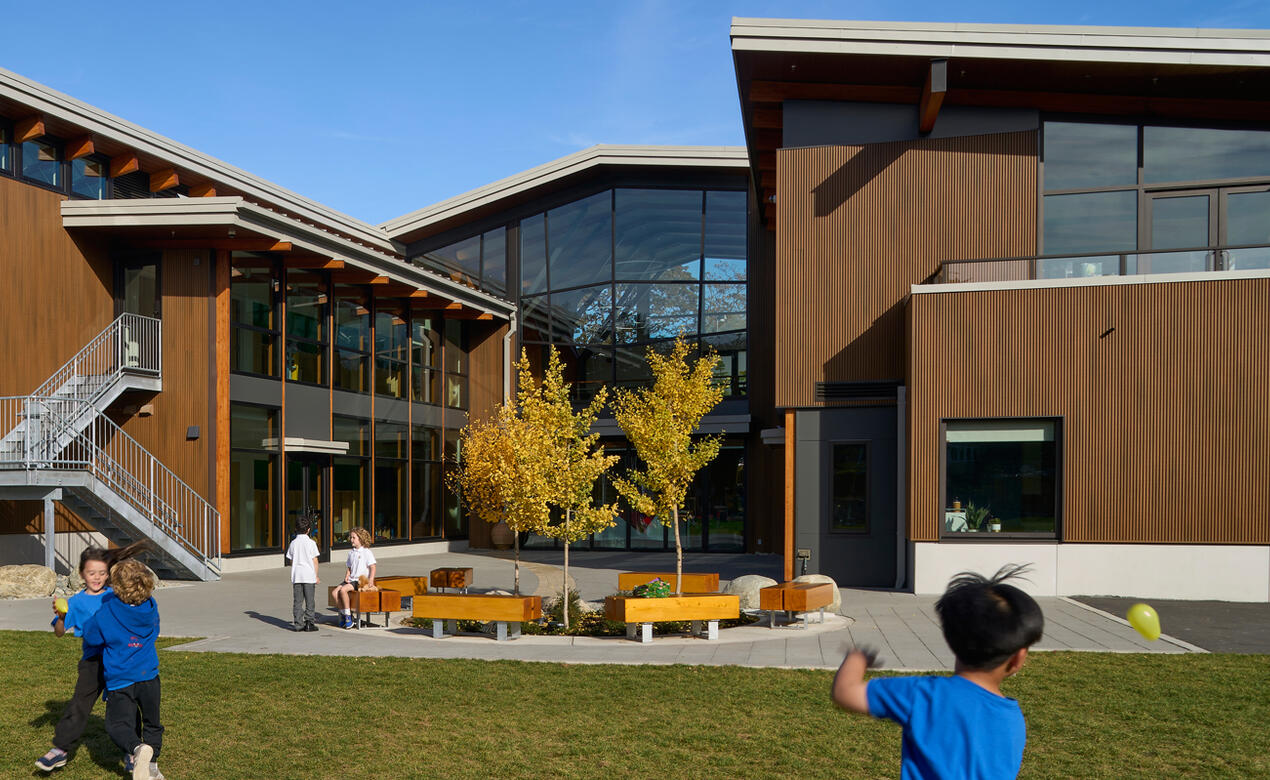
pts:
pixel 125 629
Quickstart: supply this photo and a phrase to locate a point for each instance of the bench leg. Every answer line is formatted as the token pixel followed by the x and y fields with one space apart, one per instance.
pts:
pixel 712 629
pixel 822 614
pixel 500 628
pixel 452 626
pixel 771 618
pixel 438 628
pixel 695 630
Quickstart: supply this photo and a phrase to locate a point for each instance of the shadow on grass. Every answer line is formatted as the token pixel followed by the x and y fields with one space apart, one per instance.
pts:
pixel 101 750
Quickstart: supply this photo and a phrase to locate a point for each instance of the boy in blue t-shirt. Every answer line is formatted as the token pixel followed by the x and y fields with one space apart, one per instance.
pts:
pixel 959 726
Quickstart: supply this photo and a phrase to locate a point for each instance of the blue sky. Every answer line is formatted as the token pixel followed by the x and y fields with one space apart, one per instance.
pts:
pixel 377 108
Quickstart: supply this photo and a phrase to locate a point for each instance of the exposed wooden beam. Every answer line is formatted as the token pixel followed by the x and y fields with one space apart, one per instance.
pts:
pixel 81 146
pixel 485 316
pixel 125 163
pixel 314 263
pixel 165 179
pixel 203 191
pixel 417 294
pixel 28 128
pixel 354 275
pixel 227 244
pixel 932 95
pixel 435 303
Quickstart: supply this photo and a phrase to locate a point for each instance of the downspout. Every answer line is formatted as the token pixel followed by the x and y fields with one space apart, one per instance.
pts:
pixel 507 357
pixel 901 499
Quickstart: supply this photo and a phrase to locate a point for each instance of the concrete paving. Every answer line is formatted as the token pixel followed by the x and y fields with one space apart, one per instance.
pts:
pixel 1217 626
pixel 250 612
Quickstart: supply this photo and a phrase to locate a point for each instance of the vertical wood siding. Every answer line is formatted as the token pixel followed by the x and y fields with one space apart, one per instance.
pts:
pixel 1161 389
pixel 485 394
pixel 858 225
pixel 187 357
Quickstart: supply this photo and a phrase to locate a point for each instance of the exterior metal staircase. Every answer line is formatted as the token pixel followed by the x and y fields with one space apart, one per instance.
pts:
pixel 60 438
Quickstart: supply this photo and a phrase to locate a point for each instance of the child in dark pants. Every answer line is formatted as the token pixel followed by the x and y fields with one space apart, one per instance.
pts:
pixel 94 569
pixel 959 726
pixel 125 630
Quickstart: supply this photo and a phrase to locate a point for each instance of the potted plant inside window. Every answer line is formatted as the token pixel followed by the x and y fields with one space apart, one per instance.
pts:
pixel 994 524
pixel 976 517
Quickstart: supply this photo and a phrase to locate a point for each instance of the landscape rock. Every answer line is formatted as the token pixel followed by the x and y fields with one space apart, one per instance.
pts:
pixel 26 581
pixel 836 606
pixel 746 587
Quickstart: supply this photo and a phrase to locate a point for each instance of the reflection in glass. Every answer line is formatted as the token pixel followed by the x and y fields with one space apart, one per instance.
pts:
pixel 251 296
pixel 89 176
pixel 722 484
pixel 1084 156
pixel 4 149
pixel 657 235
pixel 535 317
pixel 579 239
pixel 533 254
pixel 253 427
pixel 494 260
pixel 725 238
pixel 1248 218
pixel 306 327
pixel 1174 262
pixel 849 501
pixel 252 351
pixel 41 161
pixel 1202 154
pixel 1008 466
pixel 655 311
pixel 461 259
pixel 730 372
pixel 252 493
pixel 426 356
pixel 352 339
pixel 722 307
pixel 350 496
pixel 584 315
pixel 391 350
pixel 1179 223
pixel 1077 267
pixel 587 369
pixel 1091 222
pixel 390 499
pixel 353 430
pixel 425 500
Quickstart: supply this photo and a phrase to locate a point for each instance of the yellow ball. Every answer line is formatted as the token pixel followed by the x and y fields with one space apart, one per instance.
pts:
pixel 61 606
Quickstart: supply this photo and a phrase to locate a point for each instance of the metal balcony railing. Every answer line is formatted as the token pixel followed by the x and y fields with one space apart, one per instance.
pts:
pixel 1084 266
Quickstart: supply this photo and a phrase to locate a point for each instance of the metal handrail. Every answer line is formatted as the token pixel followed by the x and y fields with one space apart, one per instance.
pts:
pixel 109 454
pixel 132 343
pixel 1093 264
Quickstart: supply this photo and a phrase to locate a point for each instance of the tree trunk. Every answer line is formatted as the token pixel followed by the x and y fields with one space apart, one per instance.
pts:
pixel 564 587
pixel 679 559
pixel 516 547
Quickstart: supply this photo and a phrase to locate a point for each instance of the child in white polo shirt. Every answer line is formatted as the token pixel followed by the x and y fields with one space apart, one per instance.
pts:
pixel 361 563
pixel 303 554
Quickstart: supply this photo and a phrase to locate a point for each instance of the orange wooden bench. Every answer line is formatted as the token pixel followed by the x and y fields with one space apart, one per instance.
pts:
pixel 488 607
pixel 791 597
pixel 383 600
pixel 459 578
pixel 709 608
pixel 695 582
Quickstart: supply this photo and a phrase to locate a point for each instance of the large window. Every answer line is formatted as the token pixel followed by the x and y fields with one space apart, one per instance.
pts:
pixel 849 487
pixel 456 367
pixel 391 349
pixel 1001 476
pixel 425 359
pixel 4 147
pixel 455 520
pixel 253 478
pixel 425 486
pixel 252 317
pixel 42 162
pixel 480 260
pixel 350 497
pixel 90 177
pixel 1138 199
pixel 392 451
pixel 609 275
pixel 352 339
pixel 307 342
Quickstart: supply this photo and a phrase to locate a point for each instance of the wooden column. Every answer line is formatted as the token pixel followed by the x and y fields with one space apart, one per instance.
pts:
pixel 789 494
pixel 221 339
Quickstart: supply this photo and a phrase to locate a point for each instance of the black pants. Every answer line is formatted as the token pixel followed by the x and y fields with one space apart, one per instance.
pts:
pixel 122 708
pixel 88 686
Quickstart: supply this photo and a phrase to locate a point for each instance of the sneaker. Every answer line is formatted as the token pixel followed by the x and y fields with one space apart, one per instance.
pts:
pixel 155 774
pixel 309 627
pixel 52 760
pixel 347 622
pixel 141 756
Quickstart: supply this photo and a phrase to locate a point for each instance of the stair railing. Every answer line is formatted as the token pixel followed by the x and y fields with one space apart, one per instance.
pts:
pixel 130 344
pixel 108 453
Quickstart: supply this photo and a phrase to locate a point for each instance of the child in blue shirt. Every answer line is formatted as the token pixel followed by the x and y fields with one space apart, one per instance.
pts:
pixel 959 726
pixel 124 630
pixel 94 569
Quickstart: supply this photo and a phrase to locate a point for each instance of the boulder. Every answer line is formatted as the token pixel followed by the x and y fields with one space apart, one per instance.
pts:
pixel 746 587
pixel 834 607
pixel 27 581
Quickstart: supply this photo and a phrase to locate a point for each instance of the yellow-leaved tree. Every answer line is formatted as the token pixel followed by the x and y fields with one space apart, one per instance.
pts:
pixel 576 458
pixel 504 473
pixel 659 421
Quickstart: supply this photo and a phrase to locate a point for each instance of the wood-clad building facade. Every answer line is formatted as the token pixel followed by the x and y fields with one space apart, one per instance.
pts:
pixel 1020 301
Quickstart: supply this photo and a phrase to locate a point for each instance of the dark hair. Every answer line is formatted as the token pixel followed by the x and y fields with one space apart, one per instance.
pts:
pixel 112 556
pixel 985 621
pixel 303 523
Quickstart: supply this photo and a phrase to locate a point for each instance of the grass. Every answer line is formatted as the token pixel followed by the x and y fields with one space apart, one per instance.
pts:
pixel 236 716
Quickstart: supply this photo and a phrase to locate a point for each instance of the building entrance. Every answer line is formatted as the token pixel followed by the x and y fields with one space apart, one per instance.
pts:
pixel 306 493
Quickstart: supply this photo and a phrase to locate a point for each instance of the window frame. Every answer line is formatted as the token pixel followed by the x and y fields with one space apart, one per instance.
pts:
pixel 19 152
pixel 275 333
pixel 1059 473
pixel 278 497
pixel 828 494
pixel 323 345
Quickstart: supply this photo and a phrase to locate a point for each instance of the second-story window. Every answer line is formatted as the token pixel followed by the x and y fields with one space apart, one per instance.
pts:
pixel 425 357
pixel 456 369
pixel 306 327
pixel 90 177
pixel 352 339
pixel 4 148
pixel 252 314
pixel 391 349
pixel 42 162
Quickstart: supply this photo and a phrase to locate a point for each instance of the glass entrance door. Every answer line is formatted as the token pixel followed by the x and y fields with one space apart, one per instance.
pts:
pixel 306 494
pixel 137 287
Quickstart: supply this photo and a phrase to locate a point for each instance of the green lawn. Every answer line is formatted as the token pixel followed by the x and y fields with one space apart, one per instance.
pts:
pixel 250 716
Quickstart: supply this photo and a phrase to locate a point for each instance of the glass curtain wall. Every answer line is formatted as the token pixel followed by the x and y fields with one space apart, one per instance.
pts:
pixel 392 329
pixel 425 359
pixel 350 494
pixel 425 484
pixel 454 518
pixel 456 367
pixel 352 339
pixel 307 341
pixel 253 318
pixel 253 478
pixel 392 453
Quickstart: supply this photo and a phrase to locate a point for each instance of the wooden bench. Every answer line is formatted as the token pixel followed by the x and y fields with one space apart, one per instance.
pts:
pixel 791 597
pixel 383 600
pixel 459 578
pixel 501 610
pixel 694 582
pixel 695 607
